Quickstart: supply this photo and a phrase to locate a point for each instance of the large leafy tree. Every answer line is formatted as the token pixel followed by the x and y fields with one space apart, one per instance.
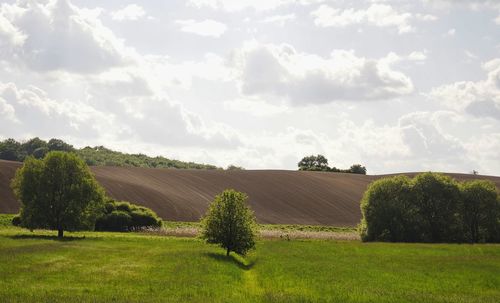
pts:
pixel 230 223
pixel 58 193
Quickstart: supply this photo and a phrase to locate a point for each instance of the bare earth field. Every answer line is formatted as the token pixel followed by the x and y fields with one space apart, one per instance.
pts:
pixel 276 196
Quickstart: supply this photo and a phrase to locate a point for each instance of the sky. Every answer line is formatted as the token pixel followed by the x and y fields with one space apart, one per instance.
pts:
pixel 396 86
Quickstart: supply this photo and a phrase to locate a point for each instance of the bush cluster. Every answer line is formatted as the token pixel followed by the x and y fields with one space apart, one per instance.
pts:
pixel 430 208
pixel 124 216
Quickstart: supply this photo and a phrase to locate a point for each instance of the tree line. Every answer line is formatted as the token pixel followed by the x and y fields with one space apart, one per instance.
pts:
pixel 320 163
pixel 430 207
pixel 12 150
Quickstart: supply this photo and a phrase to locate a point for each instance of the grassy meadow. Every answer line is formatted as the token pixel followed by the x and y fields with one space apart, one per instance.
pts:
pixel 134 267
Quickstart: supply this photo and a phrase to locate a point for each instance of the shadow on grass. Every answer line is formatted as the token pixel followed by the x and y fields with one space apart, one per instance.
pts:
pixel 47 237
pixel 232 259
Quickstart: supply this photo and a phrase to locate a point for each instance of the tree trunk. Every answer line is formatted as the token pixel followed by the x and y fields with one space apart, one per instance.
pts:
pixel 227 252
pixel 60 233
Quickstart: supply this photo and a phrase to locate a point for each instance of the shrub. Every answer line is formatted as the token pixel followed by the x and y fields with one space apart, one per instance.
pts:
pixel 124 216
pixel 117 220
pixel 16 220
pixel 230 223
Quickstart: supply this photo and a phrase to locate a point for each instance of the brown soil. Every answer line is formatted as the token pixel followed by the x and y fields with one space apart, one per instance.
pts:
pixel 276 196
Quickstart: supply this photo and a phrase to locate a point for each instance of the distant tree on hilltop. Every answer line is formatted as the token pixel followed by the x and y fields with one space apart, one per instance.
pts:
pixel 316 163
pixel 234 167
pixel 320 163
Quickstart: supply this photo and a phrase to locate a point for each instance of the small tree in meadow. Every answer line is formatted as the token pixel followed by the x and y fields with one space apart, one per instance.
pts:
pixel 230 223
pixel 58 193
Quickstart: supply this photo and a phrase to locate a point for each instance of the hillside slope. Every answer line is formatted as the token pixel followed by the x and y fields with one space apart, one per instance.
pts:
pixel 276 196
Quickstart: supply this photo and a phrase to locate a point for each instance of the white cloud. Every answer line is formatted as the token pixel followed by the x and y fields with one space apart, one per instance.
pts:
pixel 208 28
pixel 9 34
pixel 255 107
pixel 231 5
pixel 417 56
pixel 426 17
pixel 130 12
pixel 29 110
pixel 60 36
pixel 381 15
pixel 481 98
pixel 451 32
pixel 303 78
pixel 471 55
pixel 279 19
pixel 474 5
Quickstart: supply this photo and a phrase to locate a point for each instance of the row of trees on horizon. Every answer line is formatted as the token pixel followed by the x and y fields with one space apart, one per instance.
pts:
pixel 12 150
pixel 320 163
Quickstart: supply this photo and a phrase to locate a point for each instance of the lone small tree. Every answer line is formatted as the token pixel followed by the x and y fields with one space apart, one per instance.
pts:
pixel 58 193
pixel 230 223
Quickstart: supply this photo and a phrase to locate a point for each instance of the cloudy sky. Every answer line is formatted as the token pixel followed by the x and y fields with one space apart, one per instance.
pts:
pixel 393 85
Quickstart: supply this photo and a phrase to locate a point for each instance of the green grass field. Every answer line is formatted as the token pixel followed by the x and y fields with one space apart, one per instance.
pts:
pixel 120 267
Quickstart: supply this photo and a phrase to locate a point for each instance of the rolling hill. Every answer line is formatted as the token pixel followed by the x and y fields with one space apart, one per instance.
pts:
pixel 276 196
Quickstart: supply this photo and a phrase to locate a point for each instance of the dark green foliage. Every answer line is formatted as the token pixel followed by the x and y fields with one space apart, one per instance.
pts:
pixel 60 145
pixel 124 216
pixel 58 193
pixel 234 167
pixel 40 152
pixel 388 214
pixel 357 169
pixel 430 208
pixel 30 146
pixel 320 163
pixel 99 156
pixel 230 223
pixel 314 163
pixel 437 198
pixel 16 220
pixel 480 211
pixel 12 150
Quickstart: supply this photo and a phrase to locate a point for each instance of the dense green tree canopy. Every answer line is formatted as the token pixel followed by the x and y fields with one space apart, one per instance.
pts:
pixel 480 211
pixel 430 208
pixel 58 193
pixel 230 223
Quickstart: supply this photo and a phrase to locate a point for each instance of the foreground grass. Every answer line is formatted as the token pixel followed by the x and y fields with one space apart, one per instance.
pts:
pixel 119 267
